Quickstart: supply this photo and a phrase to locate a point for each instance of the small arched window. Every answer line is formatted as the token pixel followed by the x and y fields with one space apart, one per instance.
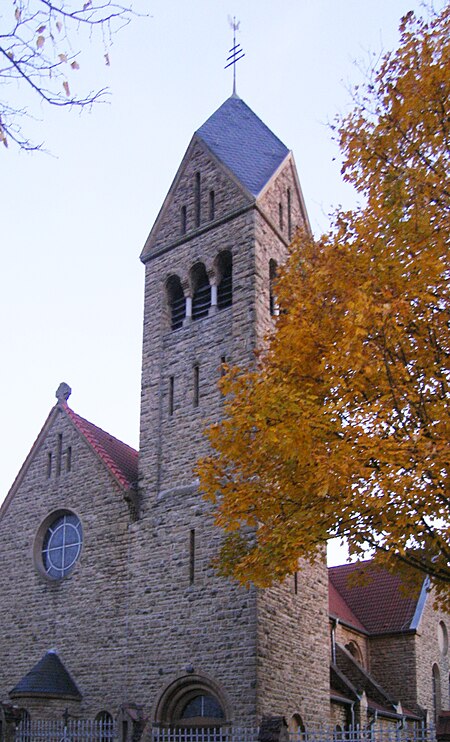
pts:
pixel 273 305
pixel 201 296
pixel 355 651
pixel 225 279
pixel 296 728
pixel 176 301
pixel 105 727
pixel 443 638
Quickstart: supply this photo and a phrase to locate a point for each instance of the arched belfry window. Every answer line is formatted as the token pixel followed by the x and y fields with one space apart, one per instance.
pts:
pixel 273 304
pixel 176 301
pixel 201 291
pixel 225 279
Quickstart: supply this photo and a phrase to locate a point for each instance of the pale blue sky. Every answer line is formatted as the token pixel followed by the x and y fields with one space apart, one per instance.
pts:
pixel 73 224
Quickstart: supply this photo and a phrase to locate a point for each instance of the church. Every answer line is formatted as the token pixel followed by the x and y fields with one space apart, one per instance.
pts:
pixel 111 608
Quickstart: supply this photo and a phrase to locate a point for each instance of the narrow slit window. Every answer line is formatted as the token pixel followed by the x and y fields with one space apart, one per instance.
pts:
pixel 196 385
pixel 69 458
pixel 273 304
pixel 289 214
pixel 295 583
pixel 183 220
pixel 198 210
pixel 49 464
pixel 280 215
pixel 171 394
pixel 192 556
pixel 59 455
pixel 212 205
pixel 225 286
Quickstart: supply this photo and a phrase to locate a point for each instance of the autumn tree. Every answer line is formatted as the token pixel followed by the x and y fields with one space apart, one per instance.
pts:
pixel 342 427
pixel 39 55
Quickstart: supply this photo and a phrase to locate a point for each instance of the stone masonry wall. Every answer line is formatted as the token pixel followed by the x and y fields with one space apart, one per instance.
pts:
pixel 293 640
pixel 293 646
pixel 345 635
pixel 431 651
pixel 228 196
pixel 82 616
pixel 393 666
pixel 186 616
pixel 200 621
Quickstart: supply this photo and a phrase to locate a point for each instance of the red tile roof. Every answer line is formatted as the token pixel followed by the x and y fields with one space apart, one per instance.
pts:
pixel 120 459
pixel 378 602
pixel 339 609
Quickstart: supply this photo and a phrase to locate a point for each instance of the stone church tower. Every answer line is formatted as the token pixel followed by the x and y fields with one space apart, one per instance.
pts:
pixel 110 605
pixel 210 261
pixel 111 609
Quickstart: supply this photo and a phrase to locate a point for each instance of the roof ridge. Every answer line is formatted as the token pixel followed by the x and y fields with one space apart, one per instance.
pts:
pixel 243 143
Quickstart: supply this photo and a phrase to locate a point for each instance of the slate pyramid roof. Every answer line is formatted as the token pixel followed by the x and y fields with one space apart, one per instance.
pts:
pixel 238 138
pixel 47 678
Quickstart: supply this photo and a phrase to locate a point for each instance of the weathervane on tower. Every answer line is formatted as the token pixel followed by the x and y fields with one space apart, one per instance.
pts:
pixel 235 53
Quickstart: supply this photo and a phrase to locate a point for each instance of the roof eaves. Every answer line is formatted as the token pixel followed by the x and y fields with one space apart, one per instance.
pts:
pixel 370 681
pixel 360 629
pixel 343 679
pixel 98 449
pixel 415 621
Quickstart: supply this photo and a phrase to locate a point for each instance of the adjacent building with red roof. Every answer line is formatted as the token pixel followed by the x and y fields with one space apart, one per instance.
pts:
pixel 389 647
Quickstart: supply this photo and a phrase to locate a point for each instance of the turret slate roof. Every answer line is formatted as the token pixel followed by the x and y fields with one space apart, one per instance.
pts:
pixel 243 143
pixel 47 678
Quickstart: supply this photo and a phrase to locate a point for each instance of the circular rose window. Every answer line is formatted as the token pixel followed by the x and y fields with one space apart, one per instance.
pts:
pixel 61 546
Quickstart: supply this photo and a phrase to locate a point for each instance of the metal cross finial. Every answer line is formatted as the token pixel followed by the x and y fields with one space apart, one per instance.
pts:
pixel 236 52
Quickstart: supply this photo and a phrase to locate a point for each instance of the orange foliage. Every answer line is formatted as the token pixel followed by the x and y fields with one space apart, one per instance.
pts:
pixel 342 428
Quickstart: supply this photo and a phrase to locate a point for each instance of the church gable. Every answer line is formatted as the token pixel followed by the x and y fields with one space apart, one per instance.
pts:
pixel 282 203
pixel 63 550
pixel 67 471
pixel 203 193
